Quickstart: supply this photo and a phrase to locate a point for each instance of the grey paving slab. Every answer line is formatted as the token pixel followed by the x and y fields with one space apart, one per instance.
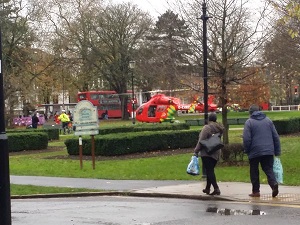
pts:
pixel 100 184
pixel 233 191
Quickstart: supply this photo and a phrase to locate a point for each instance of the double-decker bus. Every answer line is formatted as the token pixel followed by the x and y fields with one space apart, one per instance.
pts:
pixel 107 102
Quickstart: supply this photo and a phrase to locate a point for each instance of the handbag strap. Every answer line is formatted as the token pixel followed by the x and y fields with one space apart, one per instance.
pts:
pixel 213 129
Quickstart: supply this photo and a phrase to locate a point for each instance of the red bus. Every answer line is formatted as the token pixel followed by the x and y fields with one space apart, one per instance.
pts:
pixel 106 101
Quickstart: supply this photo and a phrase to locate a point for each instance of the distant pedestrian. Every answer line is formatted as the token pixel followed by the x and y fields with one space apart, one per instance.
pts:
pixel 64 118
pixel 210 161
pixel 70 116
pixel 56 120
pixel 48 115
pixel 106 115
pixel 261 143
pixel 35 120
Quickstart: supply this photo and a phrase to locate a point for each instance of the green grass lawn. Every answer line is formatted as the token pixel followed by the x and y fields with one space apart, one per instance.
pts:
pixel 35 190
pixel 274 115
pixel 168 167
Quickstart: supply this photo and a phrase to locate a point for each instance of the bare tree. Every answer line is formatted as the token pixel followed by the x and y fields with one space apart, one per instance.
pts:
pixel 286 40
pixel 28 63
pixel 94 42
pixel 17 38
pixel 234 41
pixel 281 55
pixel 69 26
pixel 117 35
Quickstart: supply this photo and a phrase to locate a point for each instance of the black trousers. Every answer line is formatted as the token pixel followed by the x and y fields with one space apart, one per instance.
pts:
pixel 209 164
pixel 266 163
pixel 65 126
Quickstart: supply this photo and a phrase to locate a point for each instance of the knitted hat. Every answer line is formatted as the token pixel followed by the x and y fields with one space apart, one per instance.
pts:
pixel 212 117
pixel 253 108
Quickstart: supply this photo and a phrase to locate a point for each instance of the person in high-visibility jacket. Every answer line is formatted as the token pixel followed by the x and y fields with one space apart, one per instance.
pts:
pixel 65 119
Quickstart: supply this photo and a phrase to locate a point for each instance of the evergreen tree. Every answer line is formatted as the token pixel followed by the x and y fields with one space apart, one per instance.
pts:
pixel 169 42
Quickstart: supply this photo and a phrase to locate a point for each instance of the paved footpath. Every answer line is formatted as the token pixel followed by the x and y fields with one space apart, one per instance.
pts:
pixel 231 191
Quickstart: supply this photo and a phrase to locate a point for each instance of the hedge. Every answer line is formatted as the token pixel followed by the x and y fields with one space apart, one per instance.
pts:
pixel 126 143
pixel 27 141
pixel 287 126
pixel 130 139
pixel 144 127
pixel 53 134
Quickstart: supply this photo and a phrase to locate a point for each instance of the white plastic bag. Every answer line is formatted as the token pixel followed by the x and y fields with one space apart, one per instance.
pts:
pixel 278 170
pixel 193 167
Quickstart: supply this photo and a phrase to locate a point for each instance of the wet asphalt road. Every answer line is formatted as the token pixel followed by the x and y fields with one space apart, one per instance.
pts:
pixel 107 210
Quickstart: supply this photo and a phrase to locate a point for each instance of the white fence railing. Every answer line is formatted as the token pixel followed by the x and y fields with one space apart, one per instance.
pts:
pixel 285 107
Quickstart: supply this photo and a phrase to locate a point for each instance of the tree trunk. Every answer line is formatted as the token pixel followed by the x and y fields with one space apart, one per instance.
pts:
pixel 224 111
pixel 124 100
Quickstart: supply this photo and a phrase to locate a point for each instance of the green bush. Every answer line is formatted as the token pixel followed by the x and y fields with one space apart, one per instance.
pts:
pixel 287 126
pixel 144 127
pixel 233 152
pixel 126 143
pixel 53 134
pixel 150 137
pixel 27 141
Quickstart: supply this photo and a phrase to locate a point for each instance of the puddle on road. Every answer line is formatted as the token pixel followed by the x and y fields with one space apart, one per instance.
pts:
pixel 235 212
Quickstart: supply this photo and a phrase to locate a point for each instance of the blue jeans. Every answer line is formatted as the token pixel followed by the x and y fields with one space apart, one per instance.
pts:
pixel 266 163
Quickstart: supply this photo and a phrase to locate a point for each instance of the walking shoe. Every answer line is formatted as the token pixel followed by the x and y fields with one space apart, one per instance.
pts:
pixel 206 191
pixel 255 194
pixel 275 191
pixel 216 192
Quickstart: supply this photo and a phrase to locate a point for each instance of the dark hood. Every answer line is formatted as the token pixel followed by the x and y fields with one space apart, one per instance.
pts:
pixel 258 115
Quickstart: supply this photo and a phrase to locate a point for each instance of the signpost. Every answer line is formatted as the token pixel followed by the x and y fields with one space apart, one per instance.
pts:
pixel 86 123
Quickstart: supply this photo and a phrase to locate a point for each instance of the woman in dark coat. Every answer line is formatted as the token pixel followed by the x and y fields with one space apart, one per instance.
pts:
pixel 210 161
pixel 35 121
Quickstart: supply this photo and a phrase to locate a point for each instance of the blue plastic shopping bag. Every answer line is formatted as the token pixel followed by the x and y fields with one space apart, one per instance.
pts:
pixel 278 170
pixel 193 167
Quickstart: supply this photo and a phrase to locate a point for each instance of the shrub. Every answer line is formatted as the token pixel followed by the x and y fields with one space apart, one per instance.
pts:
pixel 287 126
pixel 53 134
pixel 27 141
pixel 233 153
pixel 144 127
pixel 126 143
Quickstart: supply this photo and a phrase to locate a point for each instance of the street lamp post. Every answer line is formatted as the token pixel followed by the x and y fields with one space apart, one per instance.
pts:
pixel 204 18
pixel 63 89
pixel 5 204
pixel 132 66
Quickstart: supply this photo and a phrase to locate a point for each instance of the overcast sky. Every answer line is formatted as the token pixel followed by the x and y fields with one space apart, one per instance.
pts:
pixel 154 7
pixel 158 7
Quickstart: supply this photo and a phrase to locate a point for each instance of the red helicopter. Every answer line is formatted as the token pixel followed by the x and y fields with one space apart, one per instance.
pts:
pixel 159 108
pixel 198 106
pixel 162 108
